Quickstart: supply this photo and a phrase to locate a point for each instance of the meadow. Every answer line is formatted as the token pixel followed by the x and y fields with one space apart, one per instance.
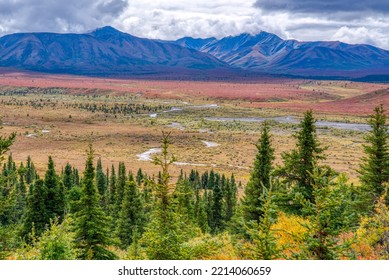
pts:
pixel 49 115
pixel 191 170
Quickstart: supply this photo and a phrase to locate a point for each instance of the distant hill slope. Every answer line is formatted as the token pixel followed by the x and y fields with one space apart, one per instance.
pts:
pixel 105 50
pixel 267 52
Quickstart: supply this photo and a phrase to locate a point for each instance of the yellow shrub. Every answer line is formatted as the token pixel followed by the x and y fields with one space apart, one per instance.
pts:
pixel 207 247
pixel 373 234
pixel 290 231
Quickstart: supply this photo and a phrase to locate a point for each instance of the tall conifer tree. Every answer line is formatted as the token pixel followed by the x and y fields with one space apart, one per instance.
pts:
pixel 68 177
pixel 139 177
pixel 36 215
pixel 260 177
pixel 112 190
pixel 102 187
pixel 374 170
pixel 217 223
pixel 165 232
pixel 21 191
pixel 230 198
pixel 120 185
pixel 31 173
pixel 300 162
pixel 131 217
pixel 5 144
pixel 101 179
pixel 92 232
pixel 55 198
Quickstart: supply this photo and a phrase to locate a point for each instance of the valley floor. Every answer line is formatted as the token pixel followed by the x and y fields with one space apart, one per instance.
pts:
pixel 226 113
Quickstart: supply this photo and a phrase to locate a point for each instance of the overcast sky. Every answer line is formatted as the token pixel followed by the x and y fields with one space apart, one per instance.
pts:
pixel 351 21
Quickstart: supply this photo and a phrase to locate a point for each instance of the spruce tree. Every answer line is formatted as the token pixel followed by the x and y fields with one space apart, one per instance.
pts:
pixel 300 162
pixel 261 234
pixel 131 176
pixel 166 230
pixel 217 223
pixel 55 198
pixel 201 215
pixel 21 191
pixel 208 199
pixel 230 198
pixel 36 215
pixel 148 198
pixel 112 191
pixel 194 177
pixel 120 185
pixel 61 206
pixel 204 180
pixel 107 183
pixel 92 232
pixel 139 177
pixel 211 180
pixel 181 177
pixel 328 215
pixel 5 144
pixel 374 170
pixel 131 217
pixel 101 179
pixel 76 177
pixel 10 172
pixel 31 173
pixel 184 198
pixel 22 188
pixel 260 177
pixel 7 199
pixel 67 177
pixel 73 197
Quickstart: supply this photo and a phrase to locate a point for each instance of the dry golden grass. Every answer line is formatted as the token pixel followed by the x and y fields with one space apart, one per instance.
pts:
pixel 123 138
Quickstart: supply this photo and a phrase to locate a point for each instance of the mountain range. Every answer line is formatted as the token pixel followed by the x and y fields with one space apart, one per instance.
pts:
pixel 103 51
pixel 267 52
pixel 107 51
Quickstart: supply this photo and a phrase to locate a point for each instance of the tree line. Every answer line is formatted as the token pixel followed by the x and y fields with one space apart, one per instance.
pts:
pixel 112 108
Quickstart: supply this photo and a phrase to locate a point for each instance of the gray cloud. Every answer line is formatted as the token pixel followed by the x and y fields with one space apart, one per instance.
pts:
pixel 172 19
pixel 57 16
pixel 324 6
pixel 352 21
pixel 113 7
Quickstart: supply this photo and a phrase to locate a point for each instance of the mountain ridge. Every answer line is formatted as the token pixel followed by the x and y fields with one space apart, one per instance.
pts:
pixel 105 50
pixel 108 51
pixel 268 52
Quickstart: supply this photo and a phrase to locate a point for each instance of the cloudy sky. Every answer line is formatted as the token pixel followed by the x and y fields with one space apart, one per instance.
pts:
pixel 352 21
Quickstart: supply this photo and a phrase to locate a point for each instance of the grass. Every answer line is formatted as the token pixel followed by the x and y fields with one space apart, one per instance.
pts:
pixel 120 137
